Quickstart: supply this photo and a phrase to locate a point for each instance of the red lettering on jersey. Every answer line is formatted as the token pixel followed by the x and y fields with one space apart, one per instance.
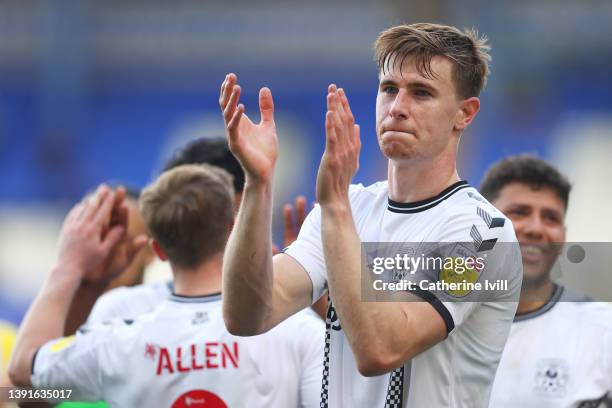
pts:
pixel 194 365
pixel 208 352
pixel 164 361
pixel 179 361
pixel 227 353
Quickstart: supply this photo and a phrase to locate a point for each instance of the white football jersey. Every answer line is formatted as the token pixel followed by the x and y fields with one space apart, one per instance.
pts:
pixel 181 355
pixel 557 356
pixel 458 371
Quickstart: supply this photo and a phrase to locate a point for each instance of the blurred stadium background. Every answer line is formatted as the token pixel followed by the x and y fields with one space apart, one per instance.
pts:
pixel 107 90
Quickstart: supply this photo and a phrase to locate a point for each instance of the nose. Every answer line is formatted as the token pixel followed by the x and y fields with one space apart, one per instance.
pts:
pixel 533 227
pixel 399 106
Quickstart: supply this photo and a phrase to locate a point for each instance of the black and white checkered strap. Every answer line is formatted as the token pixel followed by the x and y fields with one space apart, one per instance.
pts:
pixel 396 389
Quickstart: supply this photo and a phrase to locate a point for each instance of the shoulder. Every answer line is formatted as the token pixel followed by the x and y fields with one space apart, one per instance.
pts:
pixel 359 192
pixel 595 313
pixel 469 215
pixel 129 301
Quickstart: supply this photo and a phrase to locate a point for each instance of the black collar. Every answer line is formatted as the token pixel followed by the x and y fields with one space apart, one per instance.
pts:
pixel 422 205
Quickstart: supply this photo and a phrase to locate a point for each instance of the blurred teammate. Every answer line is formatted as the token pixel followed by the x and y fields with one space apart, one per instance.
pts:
pixel 180 354
pixel 132 301
pixel 442 354
pixel 559 353
pixel 91 290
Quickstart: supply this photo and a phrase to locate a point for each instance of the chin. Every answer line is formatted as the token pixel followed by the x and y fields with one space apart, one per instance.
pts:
pixel 397 151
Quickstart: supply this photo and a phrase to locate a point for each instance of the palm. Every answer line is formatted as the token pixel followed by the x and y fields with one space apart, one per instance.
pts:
pixel 256 146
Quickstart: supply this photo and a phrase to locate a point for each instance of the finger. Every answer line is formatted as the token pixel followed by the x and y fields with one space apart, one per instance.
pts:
pixel 228 112
pixel 330 131
pixel 346 106
pixel 135 246
pixel 103 214
pixel 331 91
pixel 300 211
pixel 234 122
pixel 226 90
pixel 222 91
pixel 92 201
pixel 288 223
pixel 356 138
pixel 266 105
pixel 75 213
pixel 115 234
pixel 340 105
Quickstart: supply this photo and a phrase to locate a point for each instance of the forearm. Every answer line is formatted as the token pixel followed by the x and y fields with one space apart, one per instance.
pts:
pixel 368 325
pixel 44 321
pixel 247 265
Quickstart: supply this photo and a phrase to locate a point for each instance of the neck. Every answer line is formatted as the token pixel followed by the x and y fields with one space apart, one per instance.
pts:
pixel 204 279
pixel 534 298
pixel 417 180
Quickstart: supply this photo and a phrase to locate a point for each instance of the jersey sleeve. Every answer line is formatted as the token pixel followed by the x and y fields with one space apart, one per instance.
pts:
pixel 487 238
pixel 72 362
pixel 307 249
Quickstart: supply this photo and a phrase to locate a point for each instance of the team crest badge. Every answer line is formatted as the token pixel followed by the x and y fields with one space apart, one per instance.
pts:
pixel 552 377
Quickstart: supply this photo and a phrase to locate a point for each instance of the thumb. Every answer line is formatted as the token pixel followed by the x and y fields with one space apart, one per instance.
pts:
pixel 139 242
pixel 135 246
pixel 266 105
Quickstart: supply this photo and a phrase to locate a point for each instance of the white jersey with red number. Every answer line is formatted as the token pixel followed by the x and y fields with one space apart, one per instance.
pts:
pixel 180 355
pixel 291 354
pixel 559 356
pixel 457 372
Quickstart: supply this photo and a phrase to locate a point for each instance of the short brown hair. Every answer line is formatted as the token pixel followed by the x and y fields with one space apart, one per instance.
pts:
pixel 423 41
pixel 189 211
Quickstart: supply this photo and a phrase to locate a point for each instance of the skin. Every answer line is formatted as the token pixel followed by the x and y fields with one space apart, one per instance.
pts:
pixel 538 216
pixel 92 247
pixel 418 132
pixel 90 290
pixel 133 275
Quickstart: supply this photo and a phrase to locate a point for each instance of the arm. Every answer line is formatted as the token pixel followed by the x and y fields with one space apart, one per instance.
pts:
pixel 258 292
pixel 97 282
pixel 86 240
pixel 382 335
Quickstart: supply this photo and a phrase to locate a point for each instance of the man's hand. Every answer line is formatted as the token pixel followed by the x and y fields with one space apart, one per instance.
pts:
pixel 93 242
pixel 255 146
pixel 340 160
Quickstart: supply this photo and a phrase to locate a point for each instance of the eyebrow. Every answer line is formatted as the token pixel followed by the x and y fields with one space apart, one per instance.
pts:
pixel 416 84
